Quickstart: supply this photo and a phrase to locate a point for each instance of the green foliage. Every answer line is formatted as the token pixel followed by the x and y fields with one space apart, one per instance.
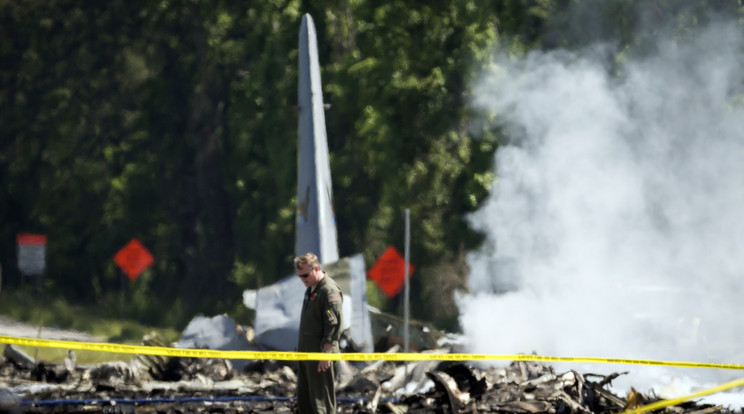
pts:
pixel 173 122
pixel 402 132
pixel 375 295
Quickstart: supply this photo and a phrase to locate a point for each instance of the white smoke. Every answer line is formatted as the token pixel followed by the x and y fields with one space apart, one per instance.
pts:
pixel 616 225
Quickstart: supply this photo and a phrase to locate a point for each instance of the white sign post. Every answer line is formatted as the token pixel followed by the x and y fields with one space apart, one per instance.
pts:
pixel 32 256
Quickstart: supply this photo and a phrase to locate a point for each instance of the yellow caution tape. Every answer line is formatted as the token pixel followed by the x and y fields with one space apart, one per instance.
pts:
pixel 675 401
pixel 319 356
pixel 376 356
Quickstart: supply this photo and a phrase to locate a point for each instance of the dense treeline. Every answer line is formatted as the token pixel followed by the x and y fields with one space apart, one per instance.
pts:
pixel 175 122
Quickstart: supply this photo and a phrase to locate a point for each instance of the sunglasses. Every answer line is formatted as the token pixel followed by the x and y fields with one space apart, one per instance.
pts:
pixel 304 275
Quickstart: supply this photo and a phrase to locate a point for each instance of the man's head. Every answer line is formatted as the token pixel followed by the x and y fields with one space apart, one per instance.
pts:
pixel 308 269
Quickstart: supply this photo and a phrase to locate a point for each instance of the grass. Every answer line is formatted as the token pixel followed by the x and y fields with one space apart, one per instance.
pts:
pixel 57 355
pixel 57 313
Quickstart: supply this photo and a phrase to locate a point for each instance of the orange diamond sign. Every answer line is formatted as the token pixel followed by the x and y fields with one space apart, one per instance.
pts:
pixel 133 259
pixel 388 272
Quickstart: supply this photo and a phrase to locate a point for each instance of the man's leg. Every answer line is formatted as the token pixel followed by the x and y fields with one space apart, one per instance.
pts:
pixel 304 401
pixel 321 388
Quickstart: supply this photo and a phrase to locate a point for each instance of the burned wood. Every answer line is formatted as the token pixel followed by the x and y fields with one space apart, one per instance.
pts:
pixel 709 410
pixel 456 399
pixel 375 400
pixel 606 379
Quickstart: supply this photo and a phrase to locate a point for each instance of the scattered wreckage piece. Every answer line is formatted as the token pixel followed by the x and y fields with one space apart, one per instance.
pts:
pixel 18 357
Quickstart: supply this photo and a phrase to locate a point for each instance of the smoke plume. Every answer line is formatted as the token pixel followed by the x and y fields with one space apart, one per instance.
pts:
pixel 616 225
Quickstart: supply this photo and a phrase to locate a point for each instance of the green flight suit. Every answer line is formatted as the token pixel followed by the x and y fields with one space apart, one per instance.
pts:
pixel 320 323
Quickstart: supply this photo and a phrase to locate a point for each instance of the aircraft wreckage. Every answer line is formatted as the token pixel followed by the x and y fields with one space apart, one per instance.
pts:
pixel 189 385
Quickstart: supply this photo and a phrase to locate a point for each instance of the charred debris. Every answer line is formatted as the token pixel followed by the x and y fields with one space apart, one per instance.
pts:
pixel 157 384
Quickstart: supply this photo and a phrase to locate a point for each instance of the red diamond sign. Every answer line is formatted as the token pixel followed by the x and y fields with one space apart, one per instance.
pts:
pixel 388 272
pixel 133 259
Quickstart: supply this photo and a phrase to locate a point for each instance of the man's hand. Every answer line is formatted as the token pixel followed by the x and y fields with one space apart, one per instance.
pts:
pixel 324 365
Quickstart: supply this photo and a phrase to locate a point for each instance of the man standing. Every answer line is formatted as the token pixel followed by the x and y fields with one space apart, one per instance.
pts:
pixel 320 329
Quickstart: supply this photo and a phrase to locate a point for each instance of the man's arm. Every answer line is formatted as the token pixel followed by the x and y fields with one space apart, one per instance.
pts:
pixel 331 325
pixel 332 318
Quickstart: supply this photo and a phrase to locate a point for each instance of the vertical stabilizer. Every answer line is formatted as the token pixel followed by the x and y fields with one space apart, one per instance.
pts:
pixel 316 222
